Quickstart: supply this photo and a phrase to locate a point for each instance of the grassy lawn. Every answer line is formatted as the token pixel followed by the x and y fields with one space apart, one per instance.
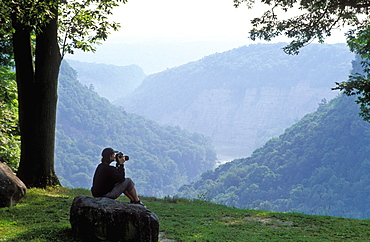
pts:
pixel 43 215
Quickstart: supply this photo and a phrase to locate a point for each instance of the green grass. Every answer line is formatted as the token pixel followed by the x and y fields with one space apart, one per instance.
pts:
pixel 43 215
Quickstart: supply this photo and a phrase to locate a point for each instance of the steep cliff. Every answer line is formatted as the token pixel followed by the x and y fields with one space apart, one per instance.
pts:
pixel 243 97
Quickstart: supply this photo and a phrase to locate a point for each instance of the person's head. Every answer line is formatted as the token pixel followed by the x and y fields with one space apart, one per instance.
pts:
pixel 108 155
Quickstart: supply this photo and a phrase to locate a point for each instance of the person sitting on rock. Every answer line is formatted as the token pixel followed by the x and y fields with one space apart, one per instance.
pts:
pixel 110 181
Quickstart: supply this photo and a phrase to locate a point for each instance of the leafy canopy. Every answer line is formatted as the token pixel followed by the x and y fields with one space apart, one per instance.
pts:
pixel 359 80
pixel 84 23
pixel 81 23
pixel 316 20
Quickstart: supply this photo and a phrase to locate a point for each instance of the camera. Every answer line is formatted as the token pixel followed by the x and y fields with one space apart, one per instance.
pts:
pixel 120 155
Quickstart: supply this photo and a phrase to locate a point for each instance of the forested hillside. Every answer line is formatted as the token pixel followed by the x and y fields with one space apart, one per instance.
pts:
pixel 242 97
pixel 161 158
pixel 320 165
pixel 109 81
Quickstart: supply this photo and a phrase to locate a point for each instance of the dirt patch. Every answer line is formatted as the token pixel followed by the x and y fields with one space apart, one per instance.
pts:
pixel 272 222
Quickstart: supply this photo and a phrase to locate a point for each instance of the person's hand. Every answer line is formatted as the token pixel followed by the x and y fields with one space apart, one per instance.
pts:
pixel 121 160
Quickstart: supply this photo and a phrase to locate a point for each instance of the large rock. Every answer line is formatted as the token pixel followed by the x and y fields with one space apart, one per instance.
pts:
pixel 104 219
pixel 12 189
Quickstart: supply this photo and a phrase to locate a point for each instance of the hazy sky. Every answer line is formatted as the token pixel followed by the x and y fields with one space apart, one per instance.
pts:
pixel 162 34
pixel 191 20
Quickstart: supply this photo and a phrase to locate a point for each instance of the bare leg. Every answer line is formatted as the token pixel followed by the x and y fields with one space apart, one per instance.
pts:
pixel 128 195
pixel 132 195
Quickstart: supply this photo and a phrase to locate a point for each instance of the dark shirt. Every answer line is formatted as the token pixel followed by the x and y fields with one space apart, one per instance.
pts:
pixel 105 178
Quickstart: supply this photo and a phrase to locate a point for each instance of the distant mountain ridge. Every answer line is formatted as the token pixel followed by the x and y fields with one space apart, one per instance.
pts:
pixel 243 97
pixel 110 81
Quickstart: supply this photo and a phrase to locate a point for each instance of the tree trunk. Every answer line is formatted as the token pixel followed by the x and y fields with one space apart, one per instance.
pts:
pixel 37 93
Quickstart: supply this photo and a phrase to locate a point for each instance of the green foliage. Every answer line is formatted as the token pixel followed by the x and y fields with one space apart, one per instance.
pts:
pixel 31 14
pixel 318 166
pixel 6 50
pixel 358 83
pixel 316 21
pixel 9 128
pixel 43 215
pixel 84 23
pixel 161 158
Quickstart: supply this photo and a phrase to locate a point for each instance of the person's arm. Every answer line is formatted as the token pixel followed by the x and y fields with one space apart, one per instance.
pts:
pixel 121 166
pixel 117 174
pixel 121 170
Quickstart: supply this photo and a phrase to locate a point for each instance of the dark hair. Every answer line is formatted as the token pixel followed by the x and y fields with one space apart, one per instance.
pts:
pixel 106 159
pixel 106 153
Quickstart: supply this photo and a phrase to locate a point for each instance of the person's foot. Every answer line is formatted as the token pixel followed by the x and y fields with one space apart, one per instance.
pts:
pixel 138 202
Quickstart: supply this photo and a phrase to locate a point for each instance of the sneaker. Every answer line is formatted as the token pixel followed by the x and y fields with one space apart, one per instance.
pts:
pixel 138 202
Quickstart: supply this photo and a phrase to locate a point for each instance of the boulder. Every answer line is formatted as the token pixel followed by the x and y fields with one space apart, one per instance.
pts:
pixel 12 189
pixel 105 219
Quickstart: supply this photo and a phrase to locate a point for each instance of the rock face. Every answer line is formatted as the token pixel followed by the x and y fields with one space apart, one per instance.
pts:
pixel 104 219
pixel 243 97
pixel 12 189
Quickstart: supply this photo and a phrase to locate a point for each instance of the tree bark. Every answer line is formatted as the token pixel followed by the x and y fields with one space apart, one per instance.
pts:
pixel 37 93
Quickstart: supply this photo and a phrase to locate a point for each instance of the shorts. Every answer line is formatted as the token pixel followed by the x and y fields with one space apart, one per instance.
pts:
pixel 119 188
